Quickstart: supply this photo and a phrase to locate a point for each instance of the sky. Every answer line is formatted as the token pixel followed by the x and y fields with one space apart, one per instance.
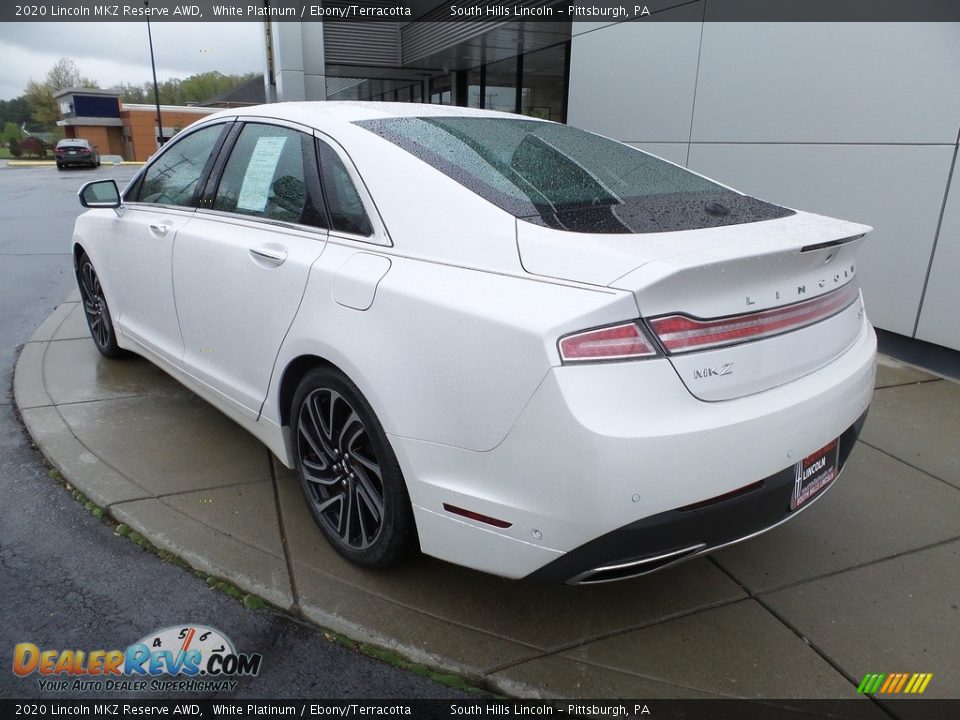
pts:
pixel 118 51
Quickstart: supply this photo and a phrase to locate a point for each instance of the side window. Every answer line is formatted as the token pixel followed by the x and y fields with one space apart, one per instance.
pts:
pixel 266 176
pixel 343 201
pixel 172 179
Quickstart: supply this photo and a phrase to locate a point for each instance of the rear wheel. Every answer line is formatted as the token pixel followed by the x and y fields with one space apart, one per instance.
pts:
pixel 95 309
pixel 348 472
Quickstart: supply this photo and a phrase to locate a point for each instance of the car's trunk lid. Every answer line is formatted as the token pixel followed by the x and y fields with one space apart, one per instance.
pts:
pixel 721 272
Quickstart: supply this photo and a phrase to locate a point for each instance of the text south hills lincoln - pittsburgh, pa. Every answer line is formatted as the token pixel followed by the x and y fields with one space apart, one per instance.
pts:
pixel 574 11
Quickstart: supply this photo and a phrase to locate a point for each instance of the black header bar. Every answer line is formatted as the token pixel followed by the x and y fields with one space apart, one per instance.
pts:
pixel 482 11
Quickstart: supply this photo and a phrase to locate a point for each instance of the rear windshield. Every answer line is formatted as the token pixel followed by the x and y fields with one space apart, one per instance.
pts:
pixel 73 143
pixel 569 179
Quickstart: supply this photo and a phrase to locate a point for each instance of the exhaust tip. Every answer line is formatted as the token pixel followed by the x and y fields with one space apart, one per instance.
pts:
pixel 635 568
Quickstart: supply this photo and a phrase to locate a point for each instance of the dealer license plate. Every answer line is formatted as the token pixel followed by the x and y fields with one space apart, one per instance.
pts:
pixel 814 473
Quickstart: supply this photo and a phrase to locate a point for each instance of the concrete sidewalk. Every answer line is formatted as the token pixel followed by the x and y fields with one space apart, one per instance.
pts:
pixel 866 582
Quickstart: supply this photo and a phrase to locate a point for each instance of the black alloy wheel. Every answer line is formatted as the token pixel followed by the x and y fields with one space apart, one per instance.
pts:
pixel 348 471
pixel 95 309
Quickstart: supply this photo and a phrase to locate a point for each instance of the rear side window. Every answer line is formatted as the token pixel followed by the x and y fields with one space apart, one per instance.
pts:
pixel 172 178
pixel 267 176
pixel 347 213
pixel 567 178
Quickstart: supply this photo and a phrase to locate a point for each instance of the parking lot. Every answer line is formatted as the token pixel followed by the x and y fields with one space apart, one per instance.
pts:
pixel 867 581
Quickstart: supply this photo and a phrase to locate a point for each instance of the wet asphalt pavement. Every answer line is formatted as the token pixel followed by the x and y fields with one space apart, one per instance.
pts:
pixel 66 580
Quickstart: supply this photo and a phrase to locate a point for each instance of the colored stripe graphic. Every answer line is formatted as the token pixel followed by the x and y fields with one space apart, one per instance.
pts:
pixel 894 683
pixel 867 685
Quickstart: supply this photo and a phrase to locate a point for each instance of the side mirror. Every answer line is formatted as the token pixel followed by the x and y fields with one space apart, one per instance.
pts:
pixel 100 194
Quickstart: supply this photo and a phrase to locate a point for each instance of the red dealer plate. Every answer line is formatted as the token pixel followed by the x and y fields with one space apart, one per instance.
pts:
pixel 814 473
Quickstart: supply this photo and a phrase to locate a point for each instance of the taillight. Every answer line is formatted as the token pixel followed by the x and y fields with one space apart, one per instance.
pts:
pixel 616 342
pixel 58 151
pixel 679 333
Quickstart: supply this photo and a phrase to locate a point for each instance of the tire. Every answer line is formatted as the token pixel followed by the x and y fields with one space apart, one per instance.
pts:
pixel 59 166
pixel 95 309
pixel 348 472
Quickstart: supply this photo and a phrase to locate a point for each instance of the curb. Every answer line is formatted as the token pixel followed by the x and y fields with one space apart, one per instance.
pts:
pixel 114 495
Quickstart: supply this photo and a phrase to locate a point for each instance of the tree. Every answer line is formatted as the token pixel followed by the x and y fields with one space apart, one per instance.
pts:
pixel 14 147
pixel 130 93
pixel 202 86
pixel 33 146
pixel 16 110
pixel 39 95
pixel 194 89
pixel 11 132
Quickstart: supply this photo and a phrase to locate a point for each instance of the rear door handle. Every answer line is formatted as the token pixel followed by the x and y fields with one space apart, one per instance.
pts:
pixel 273 257
pixel 160 228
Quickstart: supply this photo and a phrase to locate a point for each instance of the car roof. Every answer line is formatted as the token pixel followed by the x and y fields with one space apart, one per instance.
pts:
pixel 349 111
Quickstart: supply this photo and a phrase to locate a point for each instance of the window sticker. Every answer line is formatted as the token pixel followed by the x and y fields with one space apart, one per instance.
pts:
pixel 255 190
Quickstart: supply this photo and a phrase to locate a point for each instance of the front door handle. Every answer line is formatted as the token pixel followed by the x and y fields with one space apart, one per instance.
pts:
pixel 273 257
pixel 160 228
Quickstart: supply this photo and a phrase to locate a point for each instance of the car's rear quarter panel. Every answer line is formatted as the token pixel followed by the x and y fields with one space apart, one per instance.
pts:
pixel 444 354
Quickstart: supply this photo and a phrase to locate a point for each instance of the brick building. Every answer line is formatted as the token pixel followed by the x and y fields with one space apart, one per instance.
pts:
pixel 118 128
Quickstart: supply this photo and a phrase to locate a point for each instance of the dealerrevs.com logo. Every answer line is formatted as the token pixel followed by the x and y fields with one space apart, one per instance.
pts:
pixel 186 658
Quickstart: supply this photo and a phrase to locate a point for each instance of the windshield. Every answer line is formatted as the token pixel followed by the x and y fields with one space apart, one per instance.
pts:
pixel 567 178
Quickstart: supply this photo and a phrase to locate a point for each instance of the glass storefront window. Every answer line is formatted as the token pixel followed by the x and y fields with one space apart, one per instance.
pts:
pixel 543 86
pixel 500 92
pixel 475 88
pixel 388 89
pixel 440 90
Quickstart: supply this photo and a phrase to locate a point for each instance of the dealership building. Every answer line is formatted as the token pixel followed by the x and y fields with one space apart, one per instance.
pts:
pixel 855 120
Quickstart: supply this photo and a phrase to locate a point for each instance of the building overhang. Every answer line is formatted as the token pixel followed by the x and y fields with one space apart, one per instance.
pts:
pixel 91 121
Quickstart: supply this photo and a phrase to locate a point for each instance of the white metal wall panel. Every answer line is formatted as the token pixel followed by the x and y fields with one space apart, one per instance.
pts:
pixel 897 189
pixel 674 152
pixel 828 83
pixel 634 81
pixel 940 315
pixel 857 120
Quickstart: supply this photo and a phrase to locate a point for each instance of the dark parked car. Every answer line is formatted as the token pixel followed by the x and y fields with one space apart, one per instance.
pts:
pixel 76 151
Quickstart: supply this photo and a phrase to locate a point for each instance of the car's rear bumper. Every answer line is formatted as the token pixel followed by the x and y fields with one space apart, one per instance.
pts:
pixel 670 537
pixel 613 450
pixel 76 160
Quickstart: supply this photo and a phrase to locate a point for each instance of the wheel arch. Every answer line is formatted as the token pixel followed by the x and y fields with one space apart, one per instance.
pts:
pixel 78 250
pixel 293 373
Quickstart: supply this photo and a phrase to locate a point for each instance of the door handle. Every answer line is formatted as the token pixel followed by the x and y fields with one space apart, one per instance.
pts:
pixel 160 228
pixel 274 257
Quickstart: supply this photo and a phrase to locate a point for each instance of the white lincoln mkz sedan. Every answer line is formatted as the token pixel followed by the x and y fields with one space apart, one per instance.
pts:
pixel 527 348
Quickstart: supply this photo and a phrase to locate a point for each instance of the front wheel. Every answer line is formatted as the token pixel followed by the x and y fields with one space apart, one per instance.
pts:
pixel 348 472
pixel 95 309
